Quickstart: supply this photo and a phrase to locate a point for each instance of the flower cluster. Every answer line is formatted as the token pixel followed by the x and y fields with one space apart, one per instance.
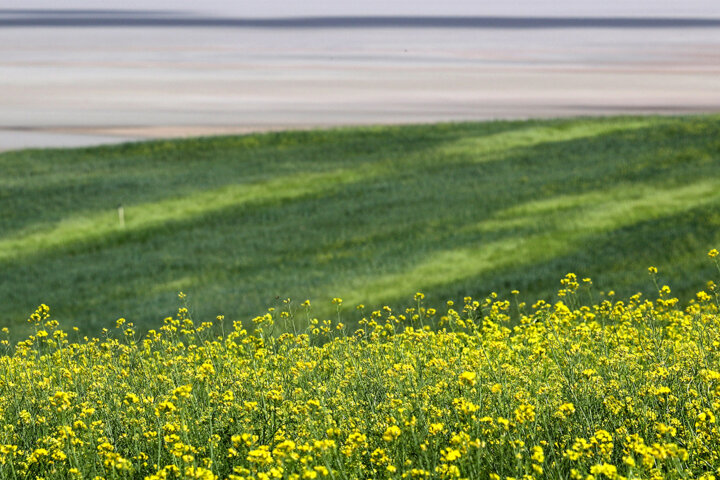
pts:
pixel 619 389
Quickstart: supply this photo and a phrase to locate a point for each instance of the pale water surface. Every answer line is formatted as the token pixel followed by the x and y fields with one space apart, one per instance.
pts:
pixel 68 85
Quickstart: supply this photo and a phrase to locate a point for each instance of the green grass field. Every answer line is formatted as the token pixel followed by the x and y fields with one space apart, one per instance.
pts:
pixel 371 215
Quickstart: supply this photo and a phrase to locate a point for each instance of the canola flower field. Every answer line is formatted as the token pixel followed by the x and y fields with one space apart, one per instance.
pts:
pixel 574 388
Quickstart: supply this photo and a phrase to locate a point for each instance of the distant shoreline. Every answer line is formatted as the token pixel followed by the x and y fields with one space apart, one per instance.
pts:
pixel 156 19
pixel 87 136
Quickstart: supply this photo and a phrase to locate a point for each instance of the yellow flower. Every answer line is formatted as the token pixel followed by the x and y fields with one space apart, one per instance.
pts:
pixel 205 370
pixel 537 454
pixel 166 407
pixel 610 471
pixel 566 409
pixel 525 413
pixel 435 428
pixel 260 455
pixel 467 378
pixel 391 433
pixel 451 454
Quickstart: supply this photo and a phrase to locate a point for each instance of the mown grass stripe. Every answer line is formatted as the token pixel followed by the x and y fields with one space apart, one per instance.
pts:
pixel 456 209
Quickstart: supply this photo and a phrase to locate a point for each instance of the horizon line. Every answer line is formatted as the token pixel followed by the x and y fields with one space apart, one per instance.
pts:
pixel 116 18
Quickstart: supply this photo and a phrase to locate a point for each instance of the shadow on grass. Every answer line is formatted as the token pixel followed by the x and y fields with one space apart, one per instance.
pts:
pixel 43 187
pixel 237 259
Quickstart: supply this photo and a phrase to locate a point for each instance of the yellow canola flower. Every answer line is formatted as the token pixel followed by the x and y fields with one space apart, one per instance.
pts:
pixel 451 454
pixel 436 428
pixel 467 378
pixel 566 409
pixel 537 454
pixel 391 433
pixel 606 469
pixel 622 388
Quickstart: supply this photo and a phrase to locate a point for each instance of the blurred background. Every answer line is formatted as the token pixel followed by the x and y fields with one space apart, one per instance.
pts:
pixel 88 72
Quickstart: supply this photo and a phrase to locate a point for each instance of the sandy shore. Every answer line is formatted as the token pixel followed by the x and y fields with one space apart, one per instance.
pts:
pixel 70 86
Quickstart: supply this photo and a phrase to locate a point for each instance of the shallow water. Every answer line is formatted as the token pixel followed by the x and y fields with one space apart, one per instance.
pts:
pixel 74 86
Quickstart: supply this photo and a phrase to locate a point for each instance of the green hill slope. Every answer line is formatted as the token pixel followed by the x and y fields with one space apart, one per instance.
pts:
pixel 371 215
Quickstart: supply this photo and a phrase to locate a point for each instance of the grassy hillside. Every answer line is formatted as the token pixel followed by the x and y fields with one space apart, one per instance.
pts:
pixel 368 214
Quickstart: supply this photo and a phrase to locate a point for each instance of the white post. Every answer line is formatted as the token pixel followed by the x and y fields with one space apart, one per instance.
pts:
pixel 121 216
